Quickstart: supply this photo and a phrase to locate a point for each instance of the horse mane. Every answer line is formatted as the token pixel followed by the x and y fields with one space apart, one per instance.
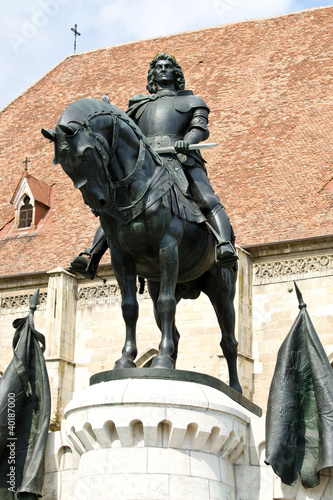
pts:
pixel 85 109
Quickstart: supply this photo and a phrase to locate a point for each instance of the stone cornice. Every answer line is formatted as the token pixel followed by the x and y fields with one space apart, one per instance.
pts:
pixel 322 244
pixel 19 282
pixel 292 260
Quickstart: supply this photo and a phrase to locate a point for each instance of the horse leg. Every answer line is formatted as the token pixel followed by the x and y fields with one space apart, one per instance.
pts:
pixel 175 334
pixel 154 288
pixel 221 292
pixel 166 302
pixel 229 343
pixel 125 273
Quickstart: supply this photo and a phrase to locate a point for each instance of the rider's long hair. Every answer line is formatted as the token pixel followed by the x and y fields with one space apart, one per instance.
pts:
pixel 179 76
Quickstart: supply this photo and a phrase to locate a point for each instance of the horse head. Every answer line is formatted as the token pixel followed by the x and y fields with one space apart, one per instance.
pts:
pixel 83 154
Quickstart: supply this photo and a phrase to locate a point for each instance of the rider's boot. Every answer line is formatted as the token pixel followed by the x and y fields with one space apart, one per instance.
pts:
pixel 225 254
pixel 86 263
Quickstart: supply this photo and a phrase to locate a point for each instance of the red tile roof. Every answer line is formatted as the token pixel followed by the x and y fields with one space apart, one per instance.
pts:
pixel 40 191
pixel 269 85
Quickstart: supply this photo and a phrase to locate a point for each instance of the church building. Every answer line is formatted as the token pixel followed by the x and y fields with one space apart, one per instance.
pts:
pixel 269 86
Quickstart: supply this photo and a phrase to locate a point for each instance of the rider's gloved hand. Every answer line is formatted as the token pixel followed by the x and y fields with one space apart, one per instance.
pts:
pixel 182 147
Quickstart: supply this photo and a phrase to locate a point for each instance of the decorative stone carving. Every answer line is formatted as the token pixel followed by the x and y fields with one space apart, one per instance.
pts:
pixel 98 293
pixel 292 269
pixel 14 302
pixel 106 293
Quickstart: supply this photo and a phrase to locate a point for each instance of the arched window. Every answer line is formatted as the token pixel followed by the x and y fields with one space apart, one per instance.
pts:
pixel 26 213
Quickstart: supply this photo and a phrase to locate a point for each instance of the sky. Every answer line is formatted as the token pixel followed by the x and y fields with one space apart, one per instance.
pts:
pixel 36 35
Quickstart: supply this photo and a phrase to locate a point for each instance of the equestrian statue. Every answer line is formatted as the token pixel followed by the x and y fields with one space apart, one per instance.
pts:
pixel 142 174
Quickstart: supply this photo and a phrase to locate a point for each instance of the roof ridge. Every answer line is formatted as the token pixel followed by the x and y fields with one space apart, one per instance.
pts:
pixel 110 47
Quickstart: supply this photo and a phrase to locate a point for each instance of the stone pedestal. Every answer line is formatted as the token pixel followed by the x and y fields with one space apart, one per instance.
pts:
pixel 156 438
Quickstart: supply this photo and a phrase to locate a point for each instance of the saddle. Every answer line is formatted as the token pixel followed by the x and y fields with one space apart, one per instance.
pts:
pixel 168 183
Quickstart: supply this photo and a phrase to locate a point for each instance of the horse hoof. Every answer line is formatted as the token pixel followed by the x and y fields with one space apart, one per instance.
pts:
pixel 123 363
pixel 163 361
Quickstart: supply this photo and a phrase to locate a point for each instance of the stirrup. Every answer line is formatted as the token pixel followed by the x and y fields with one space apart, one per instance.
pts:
pixel 225 254
pixel 86 266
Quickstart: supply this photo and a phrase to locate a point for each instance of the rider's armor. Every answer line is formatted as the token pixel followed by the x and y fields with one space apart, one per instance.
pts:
pixel 167 117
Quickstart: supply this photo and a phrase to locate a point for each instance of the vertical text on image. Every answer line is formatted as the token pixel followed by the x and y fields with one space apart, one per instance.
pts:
pixel 11 445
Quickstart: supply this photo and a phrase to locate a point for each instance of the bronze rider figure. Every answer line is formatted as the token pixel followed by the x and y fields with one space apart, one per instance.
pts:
pixel 173 116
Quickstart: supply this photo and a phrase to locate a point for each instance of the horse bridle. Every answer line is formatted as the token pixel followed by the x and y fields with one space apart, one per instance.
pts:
pixel 104 149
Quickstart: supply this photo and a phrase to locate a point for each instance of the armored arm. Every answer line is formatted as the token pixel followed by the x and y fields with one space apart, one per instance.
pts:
pixel 197 131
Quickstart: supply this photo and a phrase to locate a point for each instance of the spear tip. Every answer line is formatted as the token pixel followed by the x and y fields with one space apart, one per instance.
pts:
pixel 34 301
pixel 301 303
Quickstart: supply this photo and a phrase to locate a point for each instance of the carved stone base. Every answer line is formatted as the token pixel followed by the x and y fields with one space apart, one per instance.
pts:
pixel 156 438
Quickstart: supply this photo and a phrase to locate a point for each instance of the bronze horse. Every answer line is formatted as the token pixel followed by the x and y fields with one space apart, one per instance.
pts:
pixel 153 230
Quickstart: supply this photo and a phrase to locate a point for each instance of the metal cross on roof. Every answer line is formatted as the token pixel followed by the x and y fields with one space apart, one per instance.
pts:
pixel 76 33
pixel 26 161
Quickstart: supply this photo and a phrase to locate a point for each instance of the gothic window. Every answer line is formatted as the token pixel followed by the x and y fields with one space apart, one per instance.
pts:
pixel 26 213
pixel 32 200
